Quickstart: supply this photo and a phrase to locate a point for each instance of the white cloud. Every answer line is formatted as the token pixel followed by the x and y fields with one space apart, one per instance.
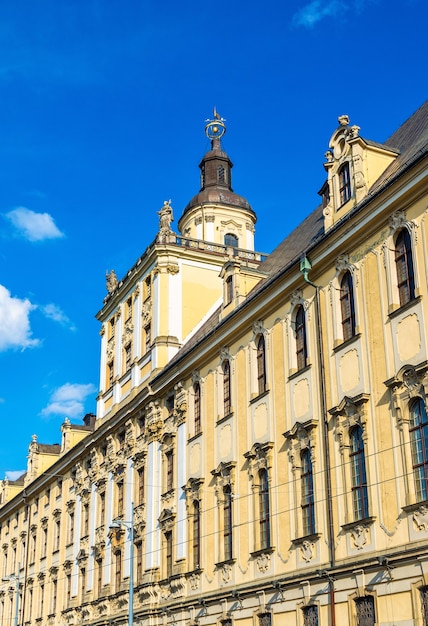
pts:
pixel 15 330
pixel 34 226
pixel 55 313
pixel 14 474
pixel 68 400
pixel 315 11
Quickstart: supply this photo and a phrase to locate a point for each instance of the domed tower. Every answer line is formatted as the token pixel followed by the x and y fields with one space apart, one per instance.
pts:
pixel 217 214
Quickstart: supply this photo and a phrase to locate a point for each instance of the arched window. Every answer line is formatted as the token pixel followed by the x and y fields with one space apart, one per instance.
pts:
pixel 231 240
pixel 227 522
pixel 261 365
pixel 227 406
pixel 404 266
pixel 344 184
pixel 358 474
pixel 347 306
pixel 196 531
pixel 197 407
pixel 300 330
pixel 264 509
pixel 307 503
pixel 418 430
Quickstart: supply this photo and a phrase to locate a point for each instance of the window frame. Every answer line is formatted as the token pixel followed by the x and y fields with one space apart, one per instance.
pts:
pixel 359 486
pixel 264 509
pixel 344 181
pixel 300 332
pixel 404 266
pixel 418 436
pixel 227 387
pixel 307 502
pixel 347 306
pixel 261 364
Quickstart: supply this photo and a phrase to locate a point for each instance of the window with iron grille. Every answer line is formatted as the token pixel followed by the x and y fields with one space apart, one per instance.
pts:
pixel 261 365
pixel 365 611
pixel 264 509
pixel 307 503
pixel 221 174
pixel 265 619
pixel 344 183
pixel 197 407
pixel 358 474
pixel 300 331
pixel 418 431
pixel 404 267
pixel 196 535
pixel 227 522
pixel 424 601
pixel 226 388
pixel 347 306
pixel 310 615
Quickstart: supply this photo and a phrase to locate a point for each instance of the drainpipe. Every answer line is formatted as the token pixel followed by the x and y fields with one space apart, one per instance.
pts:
pixel 305 266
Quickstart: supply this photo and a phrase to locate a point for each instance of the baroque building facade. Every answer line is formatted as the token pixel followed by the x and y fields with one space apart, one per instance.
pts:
pixel 261 430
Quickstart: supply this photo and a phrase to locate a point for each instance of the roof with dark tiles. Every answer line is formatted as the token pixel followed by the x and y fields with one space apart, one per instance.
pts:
pixel 410 142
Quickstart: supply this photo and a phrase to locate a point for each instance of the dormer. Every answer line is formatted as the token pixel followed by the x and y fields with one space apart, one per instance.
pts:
pixel 239 278
pixel 353 166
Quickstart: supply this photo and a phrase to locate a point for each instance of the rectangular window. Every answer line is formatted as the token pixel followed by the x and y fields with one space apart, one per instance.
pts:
pixel 227 523
pixel 227 406
pixel 229 290
pixel 196 535
pixel 83 582
pixel 139 559
pixel 365 611
pixel 99 576
pixel 110 373
pixel 300 330
pixel 120 498
pixel 118 573
pixel 70 538
pixel 102 508
pixel 265 619
pixel 54 595
pixel 264 509
pixel 85 529
pixel 310 615
pixel 128 356
pixel 358 474
pixel 147 338
pixel 197 407
pixel 168 542
pixel 140 499
pixel 57 541
pixel 307 503
pixel 424 601
pixel 42 600
pixel 44 542
pixel 169 471
pixel 344 183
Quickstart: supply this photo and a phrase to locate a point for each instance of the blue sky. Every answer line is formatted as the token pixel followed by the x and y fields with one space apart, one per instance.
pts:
pixel 103 106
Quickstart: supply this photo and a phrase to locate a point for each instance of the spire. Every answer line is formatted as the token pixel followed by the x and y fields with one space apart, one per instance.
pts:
pixel 216 166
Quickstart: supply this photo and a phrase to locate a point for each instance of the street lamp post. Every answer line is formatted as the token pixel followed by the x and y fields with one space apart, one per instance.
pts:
pixel 129 525
pixel 15 578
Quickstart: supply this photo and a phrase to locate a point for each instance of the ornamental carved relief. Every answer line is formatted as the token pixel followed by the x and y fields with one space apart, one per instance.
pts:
pixel 420 517
pixel 223 476
pixel 259 457
pixel 307 550
pixel 263 562
pixel 146 313
pixel 359 536
pixel 128 332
